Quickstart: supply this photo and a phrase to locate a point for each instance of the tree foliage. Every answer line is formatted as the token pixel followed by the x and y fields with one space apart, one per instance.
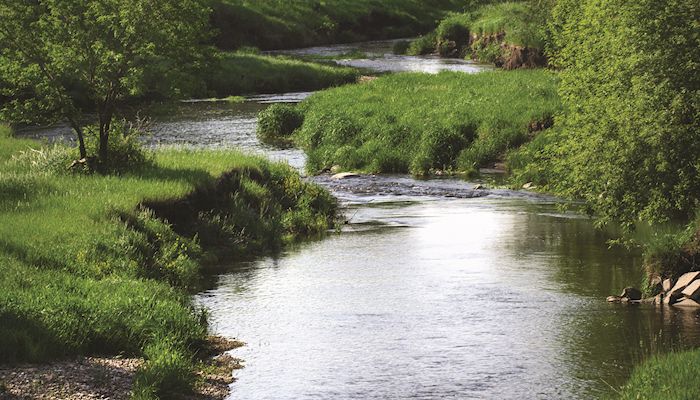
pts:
pixel 628 142
pixel 62 58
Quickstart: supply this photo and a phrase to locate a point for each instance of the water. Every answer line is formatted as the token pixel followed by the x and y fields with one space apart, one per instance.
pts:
pixel 422 297
pixel 380 59
pixel 432 290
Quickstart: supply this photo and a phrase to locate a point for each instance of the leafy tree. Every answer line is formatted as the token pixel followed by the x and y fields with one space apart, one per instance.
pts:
pixel 629 140
pixel 60 59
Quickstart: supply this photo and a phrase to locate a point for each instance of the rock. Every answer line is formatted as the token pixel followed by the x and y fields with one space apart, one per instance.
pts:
pixel 687 303
pixel 666 285
pixel 631 293
pixel 659 299
pixel 529 186
pixel 614 299
pixel 671 298
pixel 692 291
pixel 345 175
pixel 685 280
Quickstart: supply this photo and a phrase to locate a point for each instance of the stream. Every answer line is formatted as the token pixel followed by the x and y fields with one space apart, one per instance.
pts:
pixel 433 289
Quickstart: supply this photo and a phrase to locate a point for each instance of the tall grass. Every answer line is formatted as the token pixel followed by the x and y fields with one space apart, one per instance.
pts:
pixel 274 24
pixel 425 123
pixel 86 267
pixel 483 31
pixel 239 73
pixel 668 377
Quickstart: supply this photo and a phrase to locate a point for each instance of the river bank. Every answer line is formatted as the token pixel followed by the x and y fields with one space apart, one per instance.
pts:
pixel 545 249
pixel 113 378
pixel 510 35
pixel 89 269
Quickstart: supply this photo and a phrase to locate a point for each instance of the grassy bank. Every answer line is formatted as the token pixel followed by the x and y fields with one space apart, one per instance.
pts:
pixel 241 73
pixel 509 34
pixel 271 24
pixel 90 265
pixel 670 377
pixel 424 123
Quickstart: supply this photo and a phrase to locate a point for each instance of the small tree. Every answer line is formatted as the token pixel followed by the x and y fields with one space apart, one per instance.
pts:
pixel 60 59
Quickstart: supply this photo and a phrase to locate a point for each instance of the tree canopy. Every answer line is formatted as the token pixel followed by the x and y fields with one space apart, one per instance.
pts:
pixel 61 59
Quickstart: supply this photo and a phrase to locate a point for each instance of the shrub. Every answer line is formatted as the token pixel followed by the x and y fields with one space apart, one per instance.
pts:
pixel 423 45
pixel 277 123
pixel 628 144
pixel 126 152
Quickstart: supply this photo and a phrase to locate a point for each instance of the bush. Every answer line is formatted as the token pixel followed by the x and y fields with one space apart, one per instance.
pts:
pixel 452 34
pixel 628 143
pixel 277 123
pixel 423 45
pixel 126 152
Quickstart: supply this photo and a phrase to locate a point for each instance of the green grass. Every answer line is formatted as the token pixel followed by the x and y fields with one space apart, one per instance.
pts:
pixel 669 377
pixel 423 123
pixel 513 19
pixel 241 73
pixel 87 268
pixel 275 24
pixel 512 23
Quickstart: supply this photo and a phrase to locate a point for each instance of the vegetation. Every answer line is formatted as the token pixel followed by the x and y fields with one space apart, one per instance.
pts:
pixel 627 142
pixel 102 264
pixel 670 377
pixel 274 24
pixel 465 121
pixel 490 33
pixel 58 58
pixel 278 122
pixel 245 72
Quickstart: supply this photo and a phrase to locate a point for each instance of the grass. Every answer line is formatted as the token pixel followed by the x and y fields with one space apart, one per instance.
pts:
pixel 275 24
pixel 487 33
pixel 241 73
pixel 423 123
pixel 103 264
pixel 669 377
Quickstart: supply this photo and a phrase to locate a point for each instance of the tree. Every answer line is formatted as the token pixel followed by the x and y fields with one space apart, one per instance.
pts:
pixel 628 142
pixel 60 59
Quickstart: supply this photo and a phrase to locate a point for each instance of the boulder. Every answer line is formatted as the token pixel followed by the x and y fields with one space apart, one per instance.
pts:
pixel 687 303
pixel 659 299
pixel 671 298
pixel 345 175
pixel 614 299
pixel 685 280
pixel 631 293
pixel 692 291
pixel 666 285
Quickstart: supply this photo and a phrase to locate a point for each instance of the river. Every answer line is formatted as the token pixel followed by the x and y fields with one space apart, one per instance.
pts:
pixel 433 289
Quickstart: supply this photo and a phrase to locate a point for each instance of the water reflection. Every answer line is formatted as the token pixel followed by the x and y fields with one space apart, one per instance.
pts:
pixel 379 58
pixel 469 298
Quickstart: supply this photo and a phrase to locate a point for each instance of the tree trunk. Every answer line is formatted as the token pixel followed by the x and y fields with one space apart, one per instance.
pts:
pixel 105 122
pixel 81 139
